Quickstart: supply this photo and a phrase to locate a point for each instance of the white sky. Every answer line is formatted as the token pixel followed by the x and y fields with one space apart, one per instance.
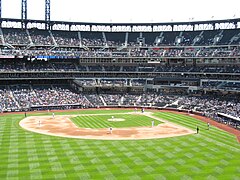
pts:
pixel 133 11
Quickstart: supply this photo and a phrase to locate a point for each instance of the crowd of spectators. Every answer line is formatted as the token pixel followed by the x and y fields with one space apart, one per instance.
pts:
pixel 52 65
pixel 59 96
pixel 112 99
pixel 20 97
pixel 211 106
pixel 96 45
pixel 66 39
pixel 41 38
pixel 95 100
pixel 25 96
pixel 17 38
pixel 93 42
pixel 126 52
pixel 7 101
pixel 149 99
pixel 104 39
pixel 207 105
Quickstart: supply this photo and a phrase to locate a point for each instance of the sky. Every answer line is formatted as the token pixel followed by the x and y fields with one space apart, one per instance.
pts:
pixel 126 11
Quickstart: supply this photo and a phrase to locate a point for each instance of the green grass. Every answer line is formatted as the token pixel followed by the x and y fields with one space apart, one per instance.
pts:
pixel 101 121
pixel 212 154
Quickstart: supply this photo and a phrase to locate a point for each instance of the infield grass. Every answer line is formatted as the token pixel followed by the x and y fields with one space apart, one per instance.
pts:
pixel 102 121
pixel 211 154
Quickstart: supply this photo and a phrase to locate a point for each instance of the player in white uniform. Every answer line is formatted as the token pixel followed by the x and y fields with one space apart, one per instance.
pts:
pixel 110 130
pixel 152 124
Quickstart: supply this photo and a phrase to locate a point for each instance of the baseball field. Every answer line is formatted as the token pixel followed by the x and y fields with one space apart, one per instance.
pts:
pixel 24 154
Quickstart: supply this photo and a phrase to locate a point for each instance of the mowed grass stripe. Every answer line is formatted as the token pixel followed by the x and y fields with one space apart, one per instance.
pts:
pixel 185 157
pixel 213 133
pixel 192 120
pixel 91 122
pixel 186 120
pixel 101 121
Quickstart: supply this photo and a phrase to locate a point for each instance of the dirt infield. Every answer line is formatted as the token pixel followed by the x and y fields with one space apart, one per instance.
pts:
pixel 64 127
pixel 202 118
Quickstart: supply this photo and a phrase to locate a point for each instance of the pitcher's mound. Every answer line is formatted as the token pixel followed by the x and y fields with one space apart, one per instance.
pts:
pixel 116 119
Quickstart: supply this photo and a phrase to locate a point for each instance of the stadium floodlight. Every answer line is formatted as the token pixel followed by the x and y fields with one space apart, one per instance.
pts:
pixel 0 8
pixel 47 13
pixel 24 12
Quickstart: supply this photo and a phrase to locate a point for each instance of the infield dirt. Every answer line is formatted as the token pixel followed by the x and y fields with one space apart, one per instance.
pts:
pixel 62 126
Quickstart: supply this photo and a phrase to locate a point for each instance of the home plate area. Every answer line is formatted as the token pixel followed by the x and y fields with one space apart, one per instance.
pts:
pixel 62 126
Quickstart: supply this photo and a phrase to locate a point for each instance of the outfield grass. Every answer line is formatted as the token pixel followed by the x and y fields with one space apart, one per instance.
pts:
pixel 101 121
pixel 212 154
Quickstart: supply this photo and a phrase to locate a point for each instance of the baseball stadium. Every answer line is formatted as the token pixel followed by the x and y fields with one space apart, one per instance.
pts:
pixel 94 100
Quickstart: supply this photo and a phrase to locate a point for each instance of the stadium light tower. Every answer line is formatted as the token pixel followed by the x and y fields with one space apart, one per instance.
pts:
pixel 24 13
pixel 0 8
pixel 47 14
pixel 1 12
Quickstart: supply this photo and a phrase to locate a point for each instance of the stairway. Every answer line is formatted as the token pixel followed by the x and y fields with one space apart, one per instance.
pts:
pixel 80 39
pixel 53 39
pixel 104 39
pixel 221 84
pixel 198 52
pixel 29 37
pixel 13 98
pixel 104 103
pixel 234 38
pixel 88 100
pixel 197 38
pixel 126 39
pixel 121 101
pixel 35 95
pixel 217 38
pixel 1 36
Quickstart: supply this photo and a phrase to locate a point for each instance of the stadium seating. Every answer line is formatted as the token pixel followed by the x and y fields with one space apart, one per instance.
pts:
pixel 168 69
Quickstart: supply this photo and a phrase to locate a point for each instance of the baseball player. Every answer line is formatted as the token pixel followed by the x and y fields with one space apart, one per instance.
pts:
pixel 110 130
pixel 208 125
pixel 152 123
